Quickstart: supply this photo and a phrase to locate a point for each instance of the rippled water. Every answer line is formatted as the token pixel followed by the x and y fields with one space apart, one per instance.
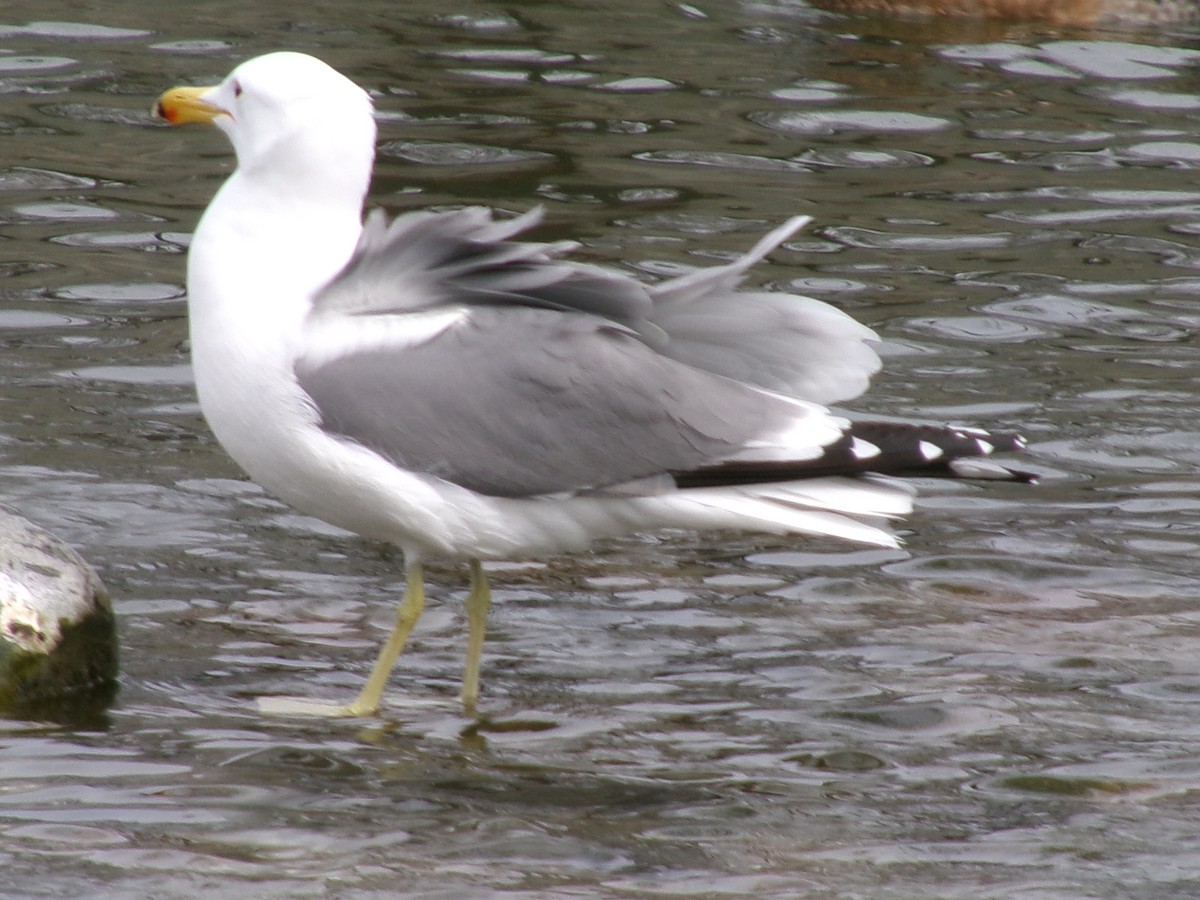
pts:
pixel 1009 707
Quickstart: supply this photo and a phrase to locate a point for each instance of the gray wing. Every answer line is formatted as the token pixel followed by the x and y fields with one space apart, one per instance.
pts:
pixel 427 260
pixel 522 401
pixel 785 343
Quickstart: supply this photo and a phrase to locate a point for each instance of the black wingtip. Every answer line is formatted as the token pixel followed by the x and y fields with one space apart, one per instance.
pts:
pixel 885 448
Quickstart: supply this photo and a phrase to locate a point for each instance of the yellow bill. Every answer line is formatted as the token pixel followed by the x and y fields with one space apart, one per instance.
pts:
pixel 182 105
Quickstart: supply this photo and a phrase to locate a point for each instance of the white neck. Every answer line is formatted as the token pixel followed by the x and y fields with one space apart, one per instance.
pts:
pixel 257 258
pixel 259 253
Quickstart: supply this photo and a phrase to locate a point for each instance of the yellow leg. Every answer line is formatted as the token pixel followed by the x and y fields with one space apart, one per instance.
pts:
pixel 479 600
pixel 410 610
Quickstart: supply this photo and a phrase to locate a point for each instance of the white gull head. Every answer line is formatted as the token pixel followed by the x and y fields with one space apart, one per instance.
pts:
pixel 292 117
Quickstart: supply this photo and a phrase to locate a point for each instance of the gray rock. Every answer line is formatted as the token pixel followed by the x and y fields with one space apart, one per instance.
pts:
pixel 57 631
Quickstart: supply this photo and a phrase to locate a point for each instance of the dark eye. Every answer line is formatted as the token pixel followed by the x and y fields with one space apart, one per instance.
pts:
pixel 237 89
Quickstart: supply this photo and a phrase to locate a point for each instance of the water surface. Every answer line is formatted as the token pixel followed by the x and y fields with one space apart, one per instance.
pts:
pixel 1005 708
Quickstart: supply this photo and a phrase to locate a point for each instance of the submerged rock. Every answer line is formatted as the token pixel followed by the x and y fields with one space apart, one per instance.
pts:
pixel 57 632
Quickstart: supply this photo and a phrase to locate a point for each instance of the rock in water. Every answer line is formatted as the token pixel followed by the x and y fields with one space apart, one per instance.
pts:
pixel 57 632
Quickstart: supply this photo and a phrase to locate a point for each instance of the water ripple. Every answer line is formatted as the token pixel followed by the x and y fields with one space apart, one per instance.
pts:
pixel 1108 60
pixel 722 160
pixel 72 31
pixel 821 122
pixel 457 153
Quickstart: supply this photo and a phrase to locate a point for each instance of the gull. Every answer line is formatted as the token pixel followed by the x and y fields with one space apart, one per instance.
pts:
pixel 443 384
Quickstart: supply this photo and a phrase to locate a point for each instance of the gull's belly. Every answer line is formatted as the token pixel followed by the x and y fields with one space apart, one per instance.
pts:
pixel 263 420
